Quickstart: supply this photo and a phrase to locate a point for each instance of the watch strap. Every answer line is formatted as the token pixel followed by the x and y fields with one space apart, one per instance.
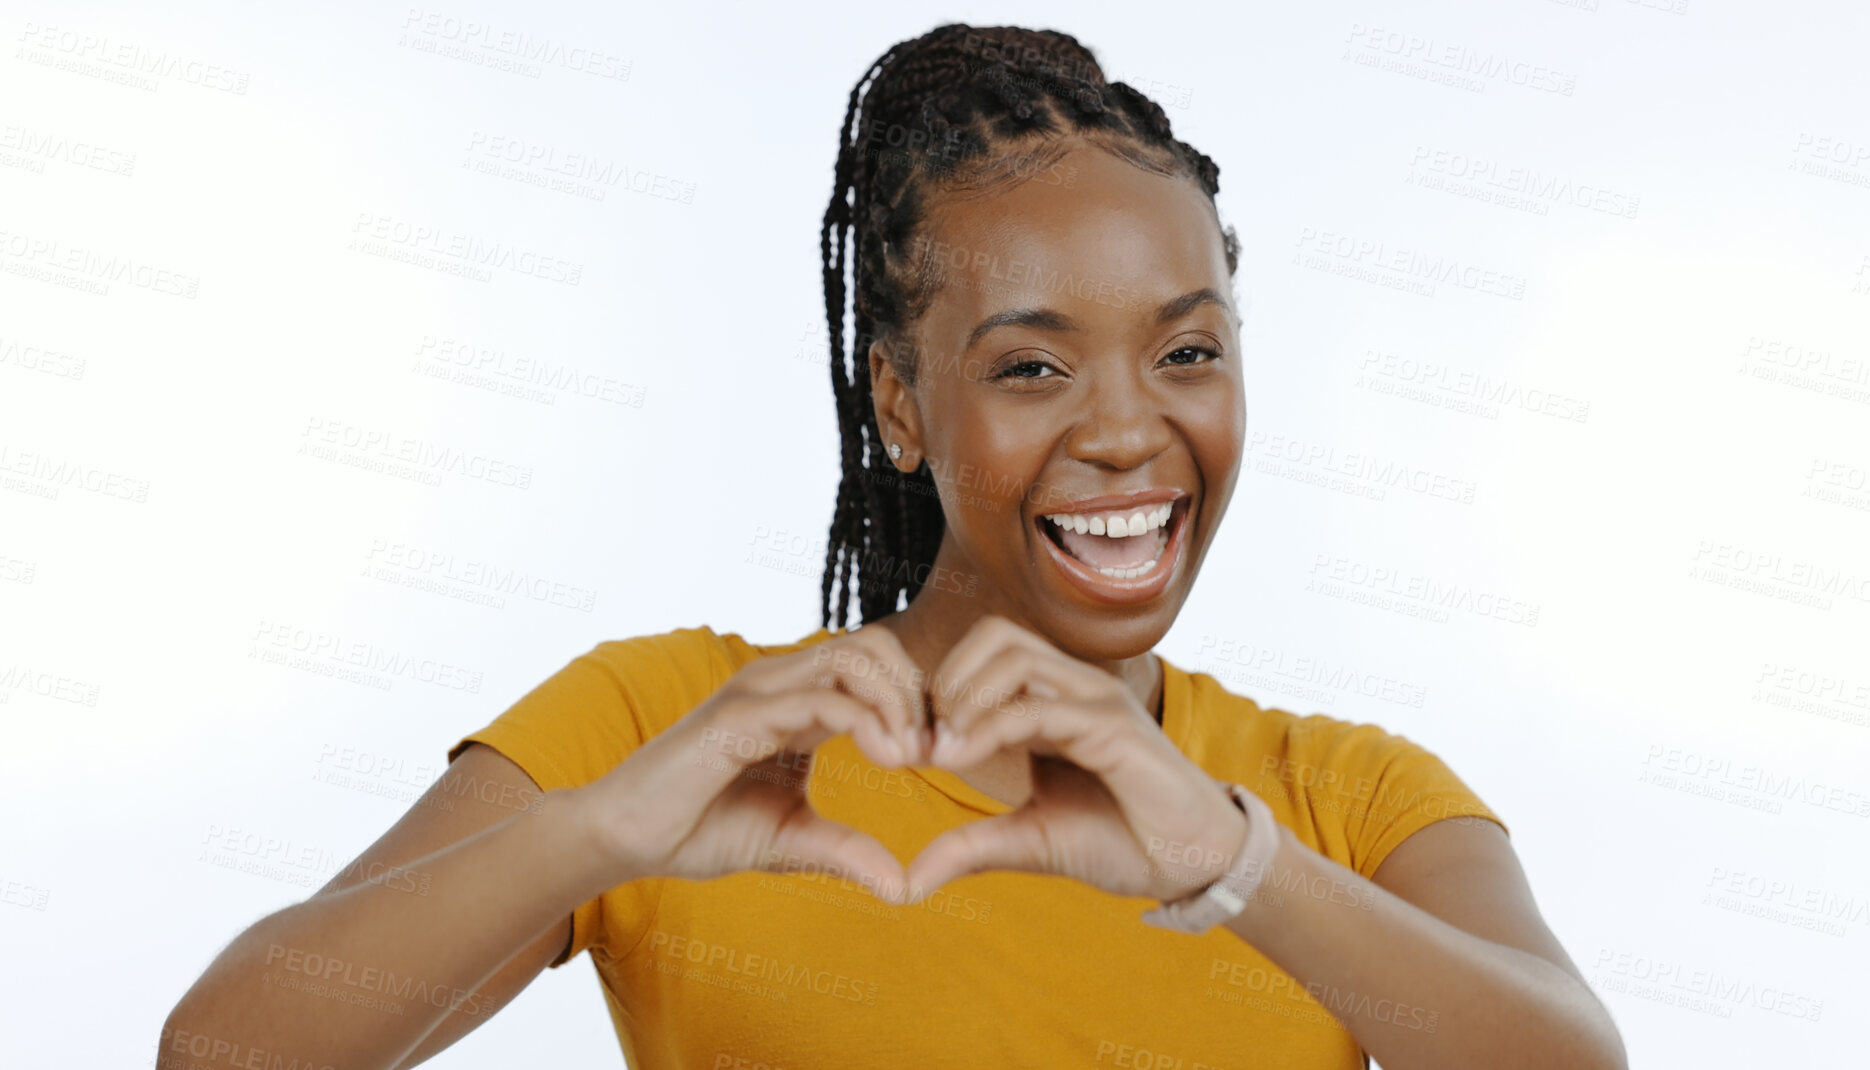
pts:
pixel 1229 894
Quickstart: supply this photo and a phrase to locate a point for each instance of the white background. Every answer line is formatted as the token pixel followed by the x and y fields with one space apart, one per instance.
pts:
pixel 1677 741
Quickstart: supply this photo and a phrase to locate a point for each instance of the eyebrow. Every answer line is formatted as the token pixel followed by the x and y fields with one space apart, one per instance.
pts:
pixel 1046 319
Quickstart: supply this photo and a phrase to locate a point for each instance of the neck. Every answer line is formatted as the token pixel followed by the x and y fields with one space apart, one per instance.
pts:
pixel 938 618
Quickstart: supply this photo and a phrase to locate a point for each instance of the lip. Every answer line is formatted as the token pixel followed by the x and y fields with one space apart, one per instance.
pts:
pixel 1119 501
pixel 1108 589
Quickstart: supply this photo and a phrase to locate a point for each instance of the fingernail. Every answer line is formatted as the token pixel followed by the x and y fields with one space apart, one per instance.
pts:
pixel 893 750
pixel 945 743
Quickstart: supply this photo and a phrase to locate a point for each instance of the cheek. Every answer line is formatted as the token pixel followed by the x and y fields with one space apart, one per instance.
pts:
pixel 1216 423
pixel 982 474
pixel 998 453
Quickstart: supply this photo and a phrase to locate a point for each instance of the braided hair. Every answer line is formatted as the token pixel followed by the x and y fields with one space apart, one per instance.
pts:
pixel 949 109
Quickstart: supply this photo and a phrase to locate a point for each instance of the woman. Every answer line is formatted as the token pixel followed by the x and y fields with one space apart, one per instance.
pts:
pixel 935 840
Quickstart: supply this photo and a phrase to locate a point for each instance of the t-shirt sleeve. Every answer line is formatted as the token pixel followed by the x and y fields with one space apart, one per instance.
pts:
pixel 1381 788
pixel 586 718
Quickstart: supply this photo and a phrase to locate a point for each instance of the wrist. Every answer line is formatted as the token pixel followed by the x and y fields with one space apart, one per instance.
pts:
pixel 1266 903
pixel 1242 870
pixel 1178 869
pixel 604 846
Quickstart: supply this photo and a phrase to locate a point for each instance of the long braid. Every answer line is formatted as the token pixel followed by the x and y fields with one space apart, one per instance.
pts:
pixel 845 521
pixel 963 99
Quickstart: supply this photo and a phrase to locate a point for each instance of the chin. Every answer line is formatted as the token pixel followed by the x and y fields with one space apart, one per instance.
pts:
pixel 1114 638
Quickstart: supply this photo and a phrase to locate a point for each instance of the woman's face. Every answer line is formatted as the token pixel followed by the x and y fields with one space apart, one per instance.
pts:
pixel 1079 363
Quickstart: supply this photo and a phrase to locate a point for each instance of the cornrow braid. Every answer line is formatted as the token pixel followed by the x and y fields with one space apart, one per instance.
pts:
pixel 951 109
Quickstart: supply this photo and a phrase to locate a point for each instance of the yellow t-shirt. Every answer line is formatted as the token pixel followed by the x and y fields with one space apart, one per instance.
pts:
pixel 761 972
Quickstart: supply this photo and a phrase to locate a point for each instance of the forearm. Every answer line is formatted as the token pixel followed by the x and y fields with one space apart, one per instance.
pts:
pixel 356 978
pixel 1416 992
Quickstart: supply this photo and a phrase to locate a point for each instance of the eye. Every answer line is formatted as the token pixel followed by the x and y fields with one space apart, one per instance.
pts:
pixel 1194 355
pixel 1025 369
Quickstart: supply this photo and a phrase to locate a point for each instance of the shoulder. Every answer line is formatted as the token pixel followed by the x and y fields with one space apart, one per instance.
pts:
pixel 681 659
pixel 1358 787
pixel 588 715
pixel 1246 738
pixel 1314 750
pixel 687 658
pixel 672 671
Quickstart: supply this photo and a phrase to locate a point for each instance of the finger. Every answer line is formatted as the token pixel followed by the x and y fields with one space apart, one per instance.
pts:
pixel 1126 752
pixel 871 666
pixel 983 638
pixel 988 636
pixel 1014 682
pixel 908 680
pixel 1009 841
pixel 811 715
pixel 1023 697
pixel 754 728
pixel 1103 750
pixel 958 746
pixel 807 840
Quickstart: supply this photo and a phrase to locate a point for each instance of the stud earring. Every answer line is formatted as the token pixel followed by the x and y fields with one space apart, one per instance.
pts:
pixel 896 452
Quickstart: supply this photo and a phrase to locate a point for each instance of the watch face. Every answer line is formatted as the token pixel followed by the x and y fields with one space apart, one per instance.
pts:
pixel 1226 900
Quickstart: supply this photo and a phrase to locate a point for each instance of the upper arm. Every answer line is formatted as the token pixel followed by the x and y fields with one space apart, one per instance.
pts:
pixel 447 813
pixel 1465 872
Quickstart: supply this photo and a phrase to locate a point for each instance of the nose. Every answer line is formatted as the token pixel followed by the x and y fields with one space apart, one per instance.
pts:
pixel 1123 425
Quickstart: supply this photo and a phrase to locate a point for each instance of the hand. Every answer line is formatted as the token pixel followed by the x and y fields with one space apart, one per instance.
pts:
pixel 724 789
pixel 1114 803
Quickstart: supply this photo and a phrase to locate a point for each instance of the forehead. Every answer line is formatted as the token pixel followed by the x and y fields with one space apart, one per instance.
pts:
pixel 1091 235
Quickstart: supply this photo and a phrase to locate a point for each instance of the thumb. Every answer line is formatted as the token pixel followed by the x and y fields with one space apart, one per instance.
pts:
pixel 807 841
pixel 1009 841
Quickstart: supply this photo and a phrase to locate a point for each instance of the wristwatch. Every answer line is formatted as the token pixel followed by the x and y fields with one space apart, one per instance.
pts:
pixel 1228 895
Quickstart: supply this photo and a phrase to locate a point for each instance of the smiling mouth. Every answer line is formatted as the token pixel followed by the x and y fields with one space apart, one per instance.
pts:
pixel 1119 552
pixel 1121 544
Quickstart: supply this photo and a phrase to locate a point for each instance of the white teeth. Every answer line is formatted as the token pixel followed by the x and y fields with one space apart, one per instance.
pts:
pixel 1129 573
pixel 1116 526
pixel 1119 526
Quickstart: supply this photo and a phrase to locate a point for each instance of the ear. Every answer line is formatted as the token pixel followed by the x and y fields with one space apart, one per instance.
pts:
pixel 897 414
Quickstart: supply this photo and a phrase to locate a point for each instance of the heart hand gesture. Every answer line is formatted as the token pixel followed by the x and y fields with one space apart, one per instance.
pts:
pixel 1114 803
